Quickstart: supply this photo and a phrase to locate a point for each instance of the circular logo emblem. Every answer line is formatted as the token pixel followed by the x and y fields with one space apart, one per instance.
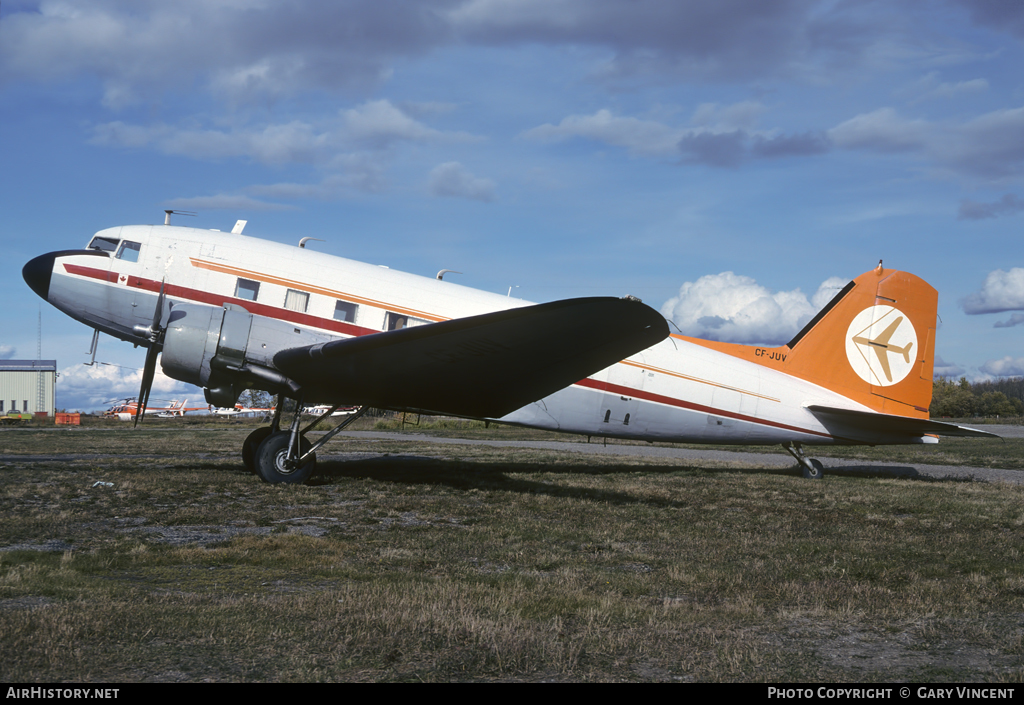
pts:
pixel 881 345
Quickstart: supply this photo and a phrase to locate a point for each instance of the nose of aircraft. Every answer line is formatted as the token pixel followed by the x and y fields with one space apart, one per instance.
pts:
pixel 37 273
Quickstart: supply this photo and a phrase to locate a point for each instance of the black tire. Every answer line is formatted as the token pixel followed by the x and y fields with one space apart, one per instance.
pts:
pixel 251 445
pixel 813 469
pixel 271 464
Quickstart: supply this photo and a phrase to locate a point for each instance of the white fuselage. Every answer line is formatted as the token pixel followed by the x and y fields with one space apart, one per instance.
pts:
pixel 674 391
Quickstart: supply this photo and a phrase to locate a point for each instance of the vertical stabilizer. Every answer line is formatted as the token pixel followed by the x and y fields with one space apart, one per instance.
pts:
pixel 874 342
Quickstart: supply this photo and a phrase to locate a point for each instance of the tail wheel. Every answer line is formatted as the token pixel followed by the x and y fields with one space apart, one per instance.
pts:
pixel 251 445
pixel 273 464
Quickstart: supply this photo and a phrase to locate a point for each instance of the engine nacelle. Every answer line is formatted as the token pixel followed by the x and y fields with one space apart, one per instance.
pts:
pixel 228 350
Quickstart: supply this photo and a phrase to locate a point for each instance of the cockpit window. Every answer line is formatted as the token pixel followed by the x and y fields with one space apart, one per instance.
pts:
pixel 129 251
pixel 103 244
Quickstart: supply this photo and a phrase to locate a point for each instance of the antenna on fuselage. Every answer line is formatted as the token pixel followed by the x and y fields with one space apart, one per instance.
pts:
pixel 303 241
pixel 167 215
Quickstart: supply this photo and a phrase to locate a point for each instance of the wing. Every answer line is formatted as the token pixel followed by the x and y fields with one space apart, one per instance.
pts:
pixel 869 426
pixel 481 366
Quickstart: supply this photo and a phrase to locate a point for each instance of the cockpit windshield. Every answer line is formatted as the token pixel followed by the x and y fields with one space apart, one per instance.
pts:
pixel 103 244
pixel 129 251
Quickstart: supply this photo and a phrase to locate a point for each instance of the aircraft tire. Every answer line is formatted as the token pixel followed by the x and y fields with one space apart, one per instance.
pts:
pixel 271 465
pixel 251 445
pixel 813 469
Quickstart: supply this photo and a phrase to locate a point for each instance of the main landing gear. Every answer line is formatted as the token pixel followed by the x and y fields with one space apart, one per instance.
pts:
pixel 812 467
pixel 287 456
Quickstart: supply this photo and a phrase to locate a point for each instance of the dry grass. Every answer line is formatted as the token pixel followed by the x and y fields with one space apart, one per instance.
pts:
pixel 412 561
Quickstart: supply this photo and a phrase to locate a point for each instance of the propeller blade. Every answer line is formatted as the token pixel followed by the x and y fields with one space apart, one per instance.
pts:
pixel 159 312
pixel 156 339
pixel 148 373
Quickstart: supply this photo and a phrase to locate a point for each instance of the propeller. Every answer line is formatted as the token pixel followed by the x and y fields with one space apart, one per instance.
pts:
pixel 155 334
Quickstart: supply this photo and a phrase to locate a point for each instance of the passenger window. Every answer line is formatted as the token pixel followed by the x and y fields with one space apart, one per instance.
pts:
pixel 296 300
pixel 129 251
pixel 345 311
pixel 397 321
pixel 247 289
pixel 103 244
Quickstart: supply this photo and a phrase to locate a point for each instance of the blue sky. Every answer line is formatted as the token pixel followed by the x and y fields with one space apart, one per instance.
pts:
pixel 718 160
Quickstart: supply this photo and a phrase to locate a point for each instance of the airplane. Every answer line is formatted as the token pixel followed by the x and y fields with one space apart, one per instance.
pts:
pixel 230 312
pixel 882 348
pixel 321 409
pixel 127 409
pixel 238 409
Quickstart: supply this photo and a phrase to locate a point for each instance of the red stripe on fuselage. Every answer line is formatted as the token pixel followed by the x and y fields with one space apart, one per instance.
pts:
pixel 671 401
pixel 205 297
pixel 92 273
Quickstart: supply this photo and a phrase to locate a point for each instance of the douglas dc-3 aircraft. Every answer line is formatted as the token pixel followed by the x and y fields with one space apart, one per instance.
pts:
pixel 230 312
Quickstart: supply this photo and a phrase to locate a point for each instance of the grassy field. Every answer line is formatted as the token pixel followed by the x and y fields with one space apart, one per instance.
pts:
pixel 411 561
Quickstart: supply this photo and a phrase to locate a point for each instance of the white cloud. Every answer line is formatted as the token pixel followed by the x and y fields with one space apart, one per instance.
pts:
pixel 373 126
pixel 723 136
pixel 1014 320
pixel 91 387
pixel 1001 291
pixel 238 50
pixel 990 146
pixel 733 308
pixel 930 87
pixel 728 39
pixel 378 124
pixel 882 130
pixel 946 369
pixel 453 179
pixel 1006 367
pixel 6 352
pixel 274 144
pixel 1009 204
pixel 640 137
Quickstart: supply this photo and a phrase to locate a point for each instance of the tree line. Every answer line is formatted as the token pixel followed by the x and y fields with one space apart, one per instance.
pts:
pixel 962 399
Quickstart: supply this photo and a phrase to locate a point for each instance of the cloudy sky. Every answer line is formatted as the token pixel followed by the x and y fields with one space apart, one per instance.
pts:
pixel 731 163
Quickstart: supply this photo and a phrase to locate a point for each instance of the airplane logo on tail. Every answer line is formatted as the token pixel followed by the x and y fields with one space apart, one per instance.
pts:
pixel 880 344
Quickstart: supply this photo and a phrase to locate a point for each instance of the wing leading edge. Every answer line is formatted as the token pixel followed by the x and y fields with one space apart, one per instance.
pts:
pixel 482 366
pixel 865 425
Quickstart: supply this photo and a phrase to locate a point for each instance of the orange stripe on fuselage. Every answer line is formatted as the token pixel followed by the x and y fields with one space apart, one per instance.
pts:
pixel 302 286
pixel 688 378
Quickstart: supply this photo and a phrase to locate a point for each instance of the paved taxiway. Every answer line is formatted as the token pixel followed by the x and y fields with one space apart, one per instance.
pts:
pixel 779 462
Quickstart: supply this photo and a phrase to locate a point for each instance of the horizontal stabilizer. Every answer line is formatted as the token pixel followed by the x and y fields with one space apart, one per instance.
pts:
pixel 847 422
pixel 482 366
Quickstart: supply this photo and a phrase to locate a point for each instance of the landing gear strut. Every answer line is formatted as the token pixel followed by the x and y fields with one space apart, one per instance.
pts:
pixel 812 467
pixel 286 456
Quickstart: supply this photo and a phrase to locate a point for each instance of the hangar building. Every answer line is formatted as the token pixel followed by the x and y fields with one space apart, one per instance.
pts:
pixel 27 386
